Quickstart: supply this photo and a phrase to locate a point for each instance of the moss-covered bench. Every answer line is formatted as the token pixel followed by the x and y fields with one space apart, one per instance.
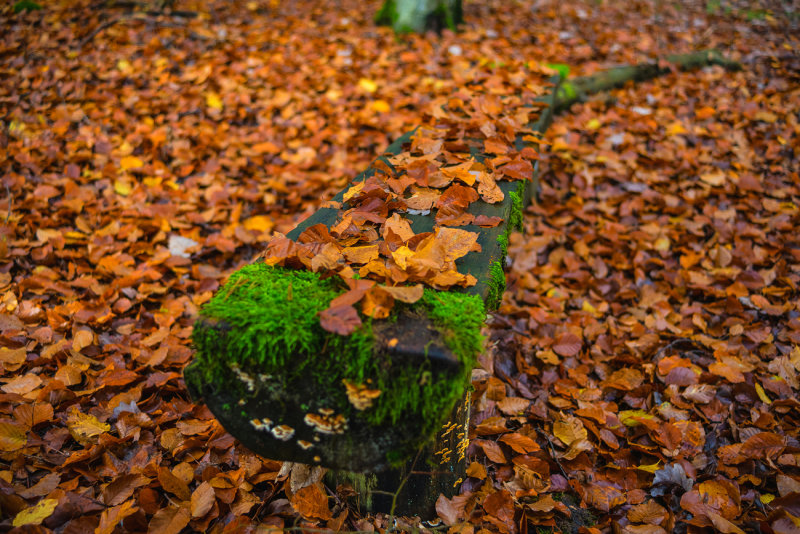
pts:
pixel 388 401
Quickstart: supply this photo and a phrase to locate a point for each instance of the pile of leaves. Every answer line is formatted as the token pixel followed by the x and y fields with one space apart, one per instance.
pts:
pixel 643 369
pixel 436 171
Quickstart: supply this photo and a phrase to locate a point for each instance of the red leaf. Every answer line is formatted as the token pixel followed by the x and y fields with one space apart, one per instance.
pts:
pixel 567 344
pixel 342 320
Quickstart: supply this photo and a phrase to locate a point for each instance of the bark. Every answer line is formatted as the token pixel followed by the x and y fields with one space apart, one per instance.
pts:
pixel 418 16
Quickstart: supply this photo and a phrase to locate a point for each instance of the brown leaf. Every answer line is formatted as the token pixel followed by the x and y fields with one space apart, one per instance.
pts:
pixel 450 510
pixel 396 230
pixel 407 294
pixel 492 450
pixel 604 497
pixel 519 169
pixel 43 487
pixel 23 384
pixel 342 320
pixel 567 344
pixel 170 520
pixel 173 484
pixel 122 487
pixel 569 429
pixel 763 445
pixel 624 379
pixel 312 502
pixel 487 222
pixel 650 512
pixel 513 405
pixel 501 505
pixel 520 443
pixel 360 255
pixel 113 516
pixel 202 500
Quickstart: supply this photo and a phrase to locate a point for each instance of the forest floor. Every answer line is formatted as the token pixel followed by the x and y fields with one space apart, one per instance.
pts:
pixel 642 372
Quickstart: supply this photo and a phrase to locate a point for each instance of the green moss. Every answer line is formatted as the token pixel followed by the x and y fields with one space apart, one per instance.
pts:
pixel 516 215
pixel 497 285
pixel 256 322
pixel 502 240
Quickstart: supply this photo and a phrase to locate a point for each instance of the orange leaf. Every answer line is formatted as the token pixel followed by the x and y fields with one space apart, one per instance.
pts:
pixel 312 502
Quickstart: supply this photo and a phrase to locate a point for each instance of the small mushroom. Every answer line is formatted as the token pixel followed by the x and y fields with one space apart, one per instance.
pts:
pixel 326 423
pixel 283 432
pixel 359 395
pixel 305 445
pixel 246 379
pixel 261 424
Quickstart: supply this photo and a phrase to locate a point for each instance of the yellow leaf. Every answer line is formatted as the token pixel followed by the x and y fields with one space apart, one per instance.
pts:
pixel 12 437
pixel 593 124
pixel 587 307
pixel 130 162
pixel 368 85
pixel 34 515
pixel 84 427
pixel 661 244
pixel 676 128
pixel 762 394
pixel 569 430
pixel 353 191
pixel 123 65
pixel 122 187
pixel 213 101
pixel 767 498
pixel 629 417
pixel 651 468
pixel 381 106
pixel 260 223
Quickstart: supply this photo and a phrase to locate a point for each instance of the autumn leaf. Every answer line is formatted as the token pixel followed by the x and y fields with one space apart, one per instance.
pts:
pixel 170 520
pixel 311 502
pixel 569 429
pixel 34 515
pixel 492 450
pixel 85 428
pixel 604 497
pixel 567 344
pixel 342 320
pixel 13 436
pixel 202 500
pixel 113 516
pixel 130 162
pixel 213 101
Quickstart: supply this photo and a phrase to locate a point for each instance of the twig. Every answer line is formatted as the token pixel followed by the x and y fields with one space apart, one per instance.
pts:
pixel 400 488
pixel 553 452
pixel 103 26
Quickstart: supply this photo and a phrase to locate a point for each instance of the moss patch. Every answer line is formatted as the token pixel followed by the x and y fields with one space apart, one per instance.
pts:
pixel 497 285
pixel 515 217
pixel 265 321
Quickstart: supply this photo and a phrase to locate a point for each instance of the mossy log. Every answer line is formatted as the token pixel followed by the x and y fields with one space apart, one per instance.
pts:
pixel 374 403
pixel 290 390
pixel 572 91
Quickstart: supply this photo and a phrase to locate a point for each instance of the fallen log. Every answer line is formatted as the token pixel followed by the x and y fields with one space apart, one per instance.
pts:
pixel 386 406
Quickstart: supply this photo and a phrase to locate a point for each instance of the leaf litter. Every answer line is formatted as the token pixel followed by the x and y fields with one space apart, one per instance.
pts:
pixel 646 353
